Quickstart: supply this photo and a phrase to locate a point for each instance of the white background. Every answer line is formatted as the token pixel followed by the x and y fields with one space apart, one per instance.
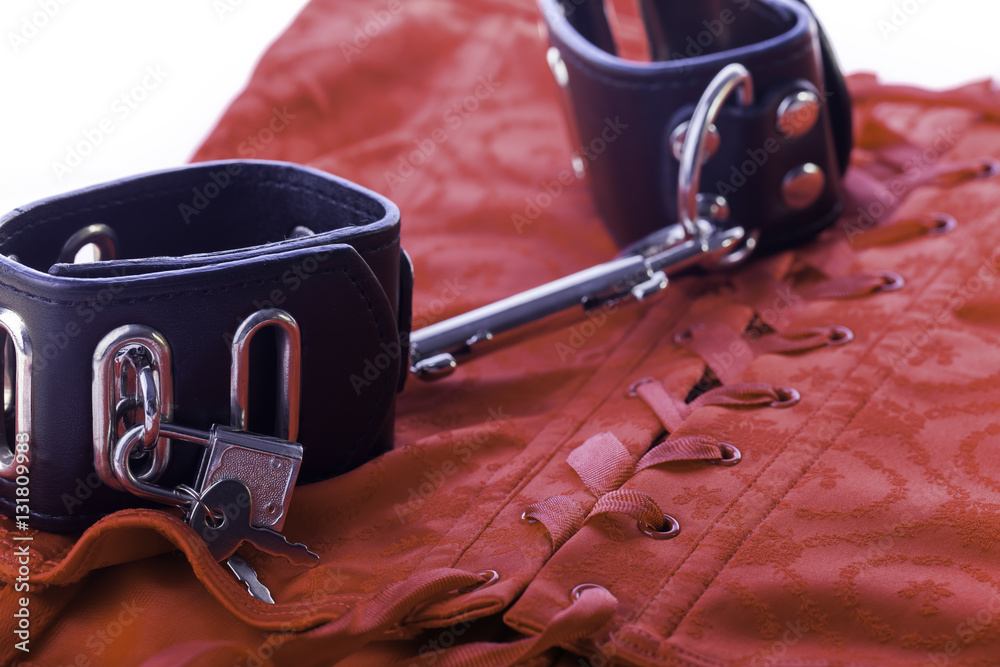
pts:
pixel 62 75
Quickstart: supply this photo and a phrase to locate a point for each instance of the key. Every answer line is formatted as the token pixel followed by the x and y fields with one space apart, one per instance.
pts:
pixel 248 576
pixel 232 506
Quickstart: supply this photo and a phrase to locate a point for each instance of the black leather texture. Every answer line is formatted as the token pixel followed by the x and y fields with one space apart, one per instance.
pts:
pixel 633 176
pixel 202 248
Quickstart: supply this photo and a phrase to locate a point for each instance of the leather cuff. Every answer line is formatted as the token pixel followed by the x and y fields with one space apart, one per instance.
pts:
pixel 778 162
pixel 202 248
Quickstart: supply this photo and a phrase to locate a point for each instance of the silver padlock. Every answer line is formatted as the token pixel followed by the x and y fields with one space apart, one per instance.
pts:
pixel 268 466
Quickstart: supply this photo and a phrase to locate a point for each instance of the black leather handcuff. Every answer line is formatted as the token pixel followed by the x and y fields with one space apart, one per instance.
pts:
pixel 681 175
pixel 247 324
pixel 773 161
pixel 258 296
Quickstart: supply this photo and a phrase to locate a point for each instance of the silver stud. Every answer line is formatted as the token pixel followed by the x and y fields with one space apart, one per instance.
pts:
pixel 803 185
pixel 679 134
pixel 557 66
pixel 798 113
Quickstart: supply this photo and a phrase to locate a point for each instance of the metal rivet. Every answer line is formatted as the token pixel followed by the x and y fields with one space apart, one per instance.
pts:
pixel 558 66
pixel 803 185
pixel 713 207
pixel 679 134
pixel 798 113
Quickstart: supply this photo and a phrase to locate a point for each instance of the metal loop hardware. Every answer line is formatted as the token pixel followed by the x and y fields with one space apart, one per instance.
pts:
pixel 290 361
pixel 132 385
pixel 127 480
pixel 694 152
pixel 133 408
pixel 18 398
pixel 101 237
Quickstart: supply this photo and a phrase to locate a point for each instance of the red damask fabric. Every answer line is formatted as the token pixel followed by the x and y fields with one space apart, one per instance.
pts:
pixel 861 525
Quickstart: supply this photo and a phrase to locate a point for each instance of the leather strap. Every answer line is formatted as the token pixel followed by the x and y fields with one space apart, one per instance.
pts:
pixel 201 249
pixel 623 112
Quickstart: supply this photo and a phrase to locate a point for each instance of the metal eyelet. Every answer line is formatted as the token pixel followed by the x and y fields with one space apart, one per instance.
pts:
pixel 787 397
pixel 685 336
pixel 673 529
pixel 840 336
pixel 942 223
pixel 289 373
pixel 989 169
pixel 730 456
pixel 103 239
pixel 893 281
pixel 635 385
pixel 578 590
pixel 489 577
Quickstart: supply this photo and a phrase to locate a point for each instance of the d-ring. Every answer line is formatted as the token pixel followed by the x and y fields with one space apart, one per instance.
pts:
pixel 101 236
pixel 695 144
